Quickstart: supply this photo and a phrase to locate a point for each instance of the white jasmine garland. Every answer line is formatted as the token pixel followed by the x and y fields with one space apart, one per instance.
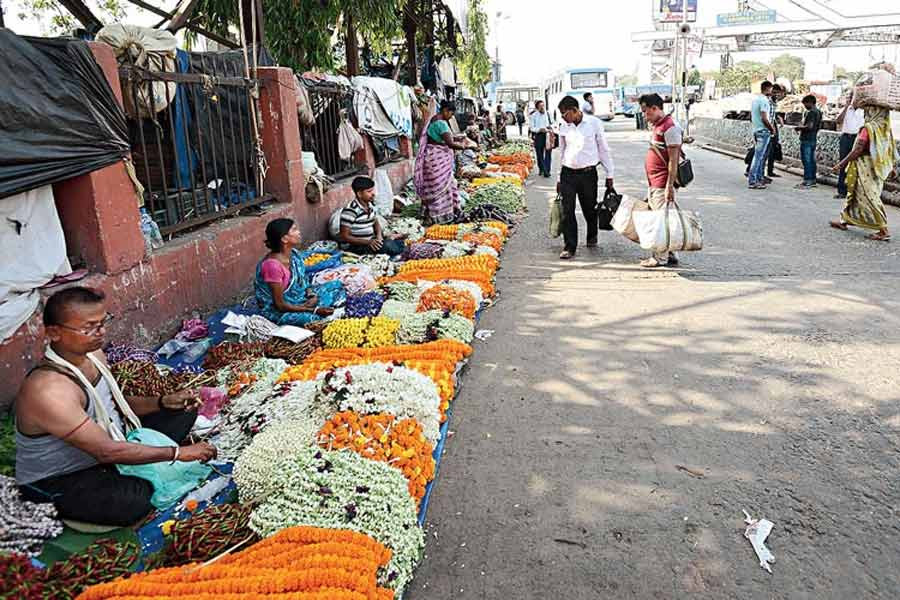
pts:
pixel 410 227
pixel 25 526
pixel 457 249
pixel 343 490
pixel 435 325
pixel 380 264
pixel 395 309
pixel 383 388
pixel 403 291
pixel 486 250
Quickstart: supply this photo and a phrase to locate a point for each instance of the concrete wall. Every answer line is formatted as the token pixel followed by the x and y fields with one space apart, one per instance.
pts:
pixel 736 136
pixel 200 271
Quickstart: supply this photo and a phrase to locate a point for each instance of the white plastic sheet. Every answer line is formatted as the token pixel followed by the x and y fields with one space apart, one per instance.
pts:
pixel 34 252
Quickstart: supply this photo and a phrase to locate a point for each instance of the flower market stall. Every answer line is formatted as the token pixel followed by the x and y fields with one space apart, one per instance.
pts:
pixel 329 444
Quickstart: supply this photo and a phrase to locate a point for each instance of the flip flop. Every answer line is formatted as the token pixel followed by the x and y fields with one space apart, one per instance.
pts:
pixel 879 237
pixel 566 255
pixel 838 225
pixel 652 263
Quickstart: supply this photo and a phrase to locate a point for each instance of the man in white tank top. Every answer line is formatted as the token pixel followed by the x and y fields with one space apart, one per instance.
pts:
pixel 69 438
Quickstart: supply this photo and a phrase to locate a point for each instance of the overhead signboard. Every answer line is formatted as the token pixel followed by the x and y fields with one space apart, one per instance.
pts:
pixel 749 17
pixel 672 11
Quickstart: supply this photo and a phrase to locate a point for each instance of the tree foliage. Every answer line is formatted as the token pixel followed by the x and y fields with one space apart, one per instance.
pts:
pixel 627 79
pixel 55 19
pixel 740 77
pixel 475 62
pixel 787 65
pixel 299 32
pixel 695 78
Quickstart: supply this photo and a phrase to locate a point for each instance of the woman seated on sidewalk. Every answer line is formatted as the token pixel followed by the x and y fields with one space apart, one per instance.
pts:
pixel 360 230
pixel 72 420
pixel 283 293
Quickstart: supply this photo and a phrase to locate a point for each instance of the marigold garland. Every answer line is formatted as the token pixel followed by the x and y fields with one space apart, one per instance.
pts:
pixel 484 281
pixel 383 437
pixel 444 297
pixel 314 259
pixel 368 332
pixel 481 262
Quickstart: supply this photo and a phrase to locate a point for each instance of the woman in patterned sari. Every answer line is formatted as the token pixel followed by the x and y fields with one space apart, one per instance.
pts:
pixel 284 295
pixel 435 167
pixel 868 165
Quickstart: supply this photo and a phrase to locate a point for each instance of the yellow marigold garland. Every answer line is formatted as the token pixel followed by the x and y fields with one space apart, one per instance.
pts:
pixel 368 332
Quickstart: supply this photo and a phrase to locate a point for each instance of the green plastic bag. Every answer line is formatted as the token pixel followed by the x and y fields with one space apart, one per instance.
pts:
pixel 170 481
pixel 556 217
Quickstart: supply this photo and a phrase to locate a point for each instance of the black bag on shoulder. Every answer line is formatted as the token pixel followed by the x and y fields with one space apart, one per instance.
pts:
pixel 685 173
pixel 607 208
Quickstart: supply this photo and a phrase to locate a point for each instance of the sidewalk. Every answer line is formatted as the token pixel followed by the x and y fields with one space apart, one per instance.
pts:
pixel 608 440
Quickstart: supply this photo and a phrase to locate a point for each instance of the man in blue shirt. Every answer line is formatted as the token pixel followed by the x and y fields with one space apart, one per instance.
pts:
pixel 763 130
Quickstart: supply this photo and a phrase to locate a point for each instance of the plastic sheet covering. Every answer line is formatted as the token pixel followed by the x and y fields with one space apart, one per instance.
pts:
pixel 58 115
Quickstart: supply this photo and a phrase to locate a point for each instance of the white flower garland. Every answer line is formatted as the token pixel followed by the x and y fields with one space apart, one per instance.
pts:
pixel 434 325
pixel 343 490
pixel 410 227
pixel 395 309
pixel 25 526
pixel 383 388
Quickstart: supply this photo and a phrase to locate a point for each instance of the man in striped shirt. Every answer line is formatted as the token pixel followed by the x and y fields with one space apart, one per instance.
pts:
pixel 360 230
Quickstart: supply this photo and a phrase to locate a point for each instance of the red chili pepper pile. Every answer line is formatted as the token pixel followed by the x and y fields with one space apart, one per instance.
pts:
pixel 64 580
pixel 208 534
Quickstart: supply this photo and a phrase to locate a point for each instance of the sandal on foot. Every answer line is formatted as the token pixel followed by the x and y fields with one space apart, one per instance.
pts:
pixel 879 237
pixel 838 225
pixel 566 255
pixel 652 263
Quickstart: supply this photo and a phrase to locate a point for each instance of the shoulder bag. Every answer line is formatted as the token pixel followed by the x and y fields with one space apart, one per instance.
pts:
pixel 684 175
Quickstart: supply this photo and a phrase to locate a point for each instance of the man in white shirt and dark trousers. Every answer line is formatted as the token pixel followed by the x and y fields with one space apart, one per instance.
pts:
pixel 851 121
pixel 539 126
pixel 583 146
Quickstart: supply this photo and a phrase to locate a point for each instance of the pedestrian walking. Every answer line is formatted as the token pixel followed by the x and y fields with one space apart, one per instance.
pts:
pixel 539 127
pixel 868 166
pixel 520 118
pixel 763 130
pixel 500 123
pixel 661 165
pixel 583 146
pixel 851 121
pixel 809 132
pixel 587 104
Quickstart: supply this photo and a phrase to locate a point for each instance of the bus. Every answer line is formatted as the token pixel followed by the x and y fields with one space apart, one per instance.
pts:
pixel 576 82
pixel 513 97
pixel 628 96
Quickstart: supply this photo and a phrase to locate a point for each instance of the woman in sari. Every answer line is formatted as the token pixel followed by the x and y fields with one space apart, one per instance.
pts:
pixel 868 165
pixel 283 293
pixel 435 166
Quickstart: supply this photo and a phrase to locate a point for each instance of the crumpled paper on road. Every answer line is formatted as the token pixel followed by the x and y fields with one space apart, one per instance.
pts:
pixel 757 531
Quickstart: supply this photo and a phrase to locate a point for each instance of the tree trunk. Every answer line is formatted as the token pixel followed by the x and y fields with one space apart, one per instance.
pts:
pixel 351 43
pixel 409 27
pixel 247 7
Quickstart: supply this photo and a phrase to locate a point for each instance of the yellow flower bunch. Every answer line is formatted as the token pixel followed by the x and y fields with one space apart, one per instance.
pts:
pixel 476 262
pixel 314 259
pixel 370 332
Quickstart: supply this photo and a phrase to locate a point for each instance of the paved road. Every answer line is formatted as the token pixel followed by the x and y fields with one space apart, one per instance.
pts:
pixel 768 366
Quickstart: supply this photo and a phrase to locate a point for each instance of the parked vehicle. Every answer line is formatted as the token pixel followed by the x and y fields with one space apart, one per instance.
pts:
pixel 599 81
pixel 513 97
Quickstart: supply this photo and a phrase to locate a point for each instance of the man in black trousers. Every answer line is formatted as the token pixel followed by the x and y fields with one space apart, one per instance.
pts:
pixel 539 126
pixel 583 146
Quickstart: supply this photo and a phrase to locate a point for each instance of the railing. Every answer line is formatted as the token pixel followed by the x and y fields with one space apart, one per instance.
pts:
pixel 193 140
pixel 329 106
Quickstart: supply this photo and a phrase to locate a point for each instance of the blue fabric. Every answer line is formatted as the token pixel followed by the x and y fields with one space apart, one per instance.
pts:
pixel 808 156
pixel 846 146
pixel 761 104
pixel 757 167
pixel 329 294
pixel 185 158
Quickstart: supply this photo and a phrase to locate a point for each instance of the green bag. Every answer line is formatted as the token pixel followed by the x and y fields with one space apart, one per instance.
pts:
pixel 170 481
pixel 556 217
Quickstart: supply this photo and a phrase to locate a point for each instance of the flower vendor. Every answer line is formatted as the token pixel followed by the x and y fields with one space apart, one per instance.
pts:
pixel 72 420
pixel 282 291
pixel 360 231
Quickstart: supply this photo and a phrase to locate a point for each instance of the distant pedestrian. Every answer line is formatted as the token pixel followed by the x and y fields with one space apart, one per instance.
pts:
pixel 500 123
pixel 851 121
pixel 587 104
pixel 661 165
pixel 868 166
pixel 763 130
pixel 778 93
pixel 582 146
pixel 539 127
pixel 520 118
pixel 809 131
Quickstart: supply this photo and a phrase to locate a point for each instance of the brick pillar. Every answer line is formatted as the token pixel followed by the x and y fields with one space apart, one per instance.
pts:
pixel 406 147
pixel 99 210
pixel 281 136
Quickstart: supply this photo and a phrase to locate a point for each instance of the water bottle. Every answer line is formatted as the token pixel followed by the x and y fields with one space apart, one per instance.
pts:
pixel 152 236
pixel 197 350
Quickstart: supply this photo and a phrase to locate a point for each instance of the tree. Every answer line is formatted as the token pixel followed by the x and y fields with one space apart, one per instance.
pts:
pixel 842 74
pixel 740 77
pixel 787 65
pixel 695 78
pixel 56 20
pixel 629 80
pixel 475 61
pixel 299 32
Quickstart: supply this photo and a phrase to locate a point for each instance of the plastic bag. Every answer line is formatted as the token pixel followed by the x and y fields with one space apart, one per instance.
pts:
pixel 556 217
pixel 349 140
pixel 170 481
pixel 623 222
pixel 384 193
pixel 669 230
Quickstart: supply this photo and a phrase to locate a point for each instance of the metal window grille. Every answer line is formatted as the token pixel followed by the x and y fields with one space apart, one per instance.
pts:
pixel 196 155
pixel 329 107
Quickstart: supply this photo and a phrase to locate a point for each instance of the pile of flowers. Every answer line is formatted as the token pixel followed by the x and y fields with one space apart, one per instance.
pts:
pixel 380 265
pixel 446 298
pixel 255 468
pixel 343 490
pixel 411 229
pixel 457 284
pixel 487 264
pixel 383 437
pixel 421 250
pixel 368 332
pixel 314 259
pixel 506 196
pixel 297 562
pixel 356 278
pixel 402 291
pixel 435 325
pixel 364 305
pixel 383 388
pixel 395 309
pixel 517 158
pixel 479 277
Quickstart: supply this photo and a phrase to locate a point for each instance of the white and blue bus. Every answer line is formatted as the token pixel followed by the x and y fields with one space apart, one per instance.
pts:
pixel 599 81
